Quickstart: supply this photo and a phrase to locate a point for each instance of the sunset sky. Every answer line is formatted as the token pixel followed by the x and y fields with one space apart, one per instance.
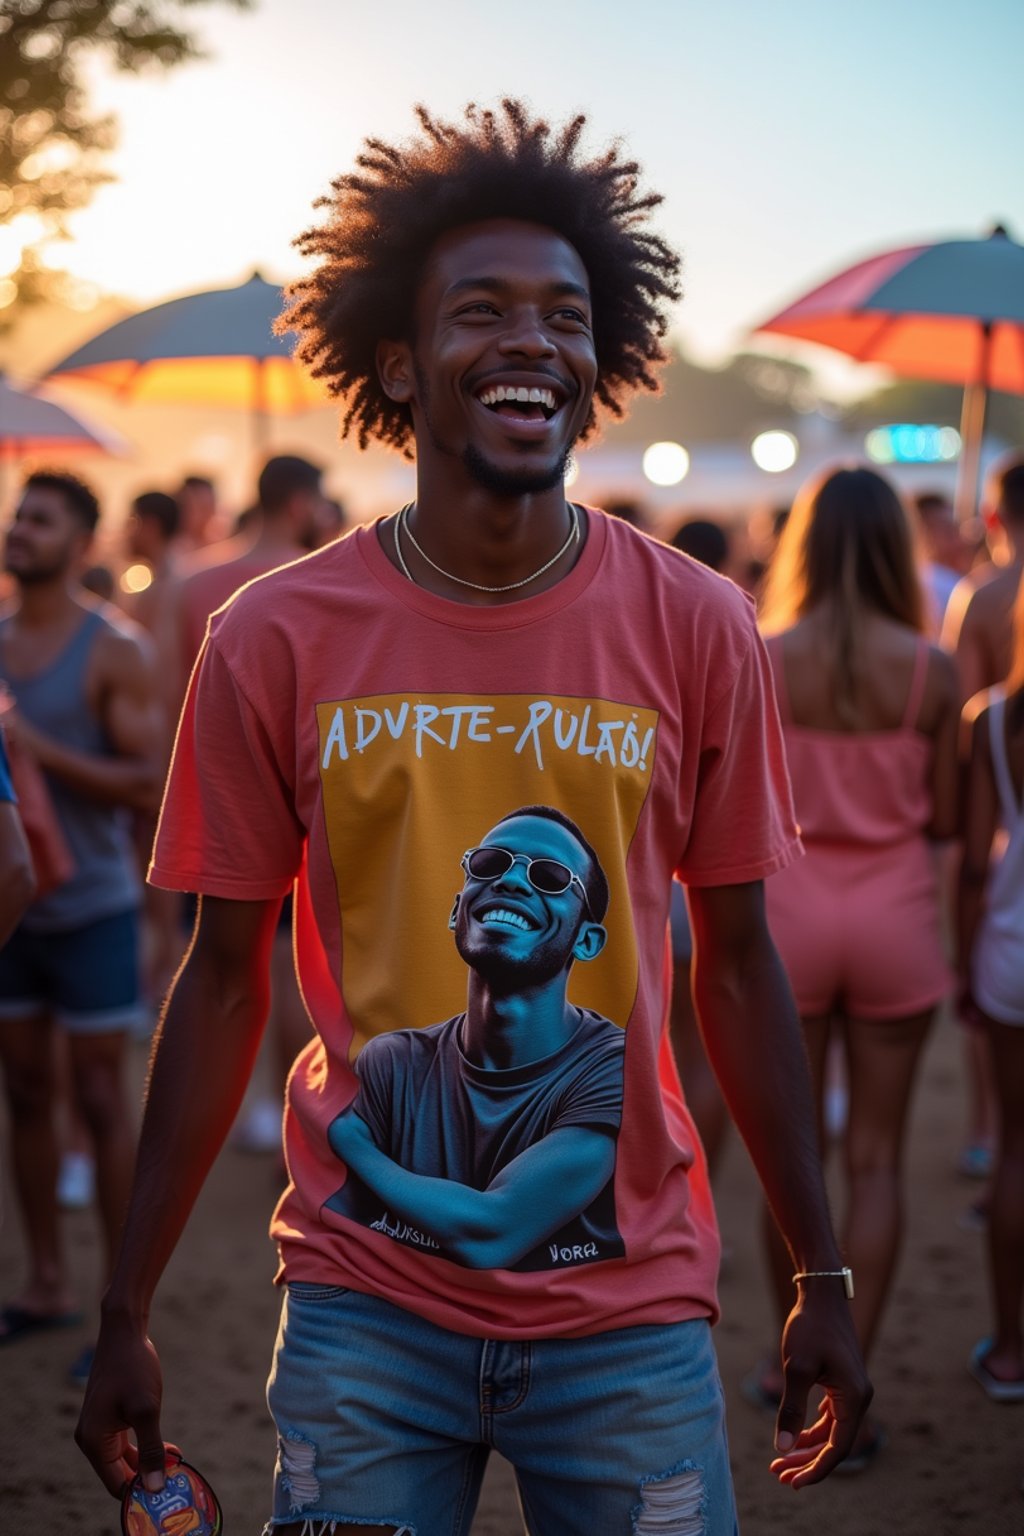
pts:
pixel 788 140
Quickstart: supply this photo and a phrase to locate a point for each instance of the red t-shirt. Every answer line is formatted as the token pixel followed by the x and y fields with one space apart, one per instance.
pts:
pixel 349 730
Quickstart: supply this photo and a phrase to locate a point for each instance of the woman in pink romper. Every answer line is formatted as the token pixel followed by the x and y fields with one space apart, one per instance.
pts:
pixel 870 715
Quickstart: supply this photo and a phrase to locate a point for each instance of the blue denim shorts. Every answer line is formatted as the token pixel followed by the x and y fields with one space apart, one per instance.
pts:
pixel 386 1419
pixel 87 978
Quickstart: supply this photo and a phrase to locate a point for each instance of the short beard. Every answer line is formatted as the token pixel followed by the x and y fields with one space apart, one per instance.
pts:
pixel 520 482
pixel 507 976
pixel 39 575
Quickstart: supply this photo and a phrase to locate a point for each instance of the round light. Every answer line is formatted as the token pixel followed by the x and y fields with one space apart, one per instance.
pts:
pixel 774 451
pixel 572 473
pixel 906 442
pixel 666 463
pixel 949 443
pixel 136 578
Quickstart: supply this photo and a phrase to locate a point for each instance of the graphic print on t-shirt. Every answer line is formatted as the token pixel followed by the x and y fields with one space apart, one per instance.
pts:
pixel 488 1021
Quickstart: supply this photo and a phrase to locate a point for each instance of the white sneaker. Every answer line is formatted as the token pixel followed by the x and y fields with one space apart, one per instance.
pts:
pixel 76 1181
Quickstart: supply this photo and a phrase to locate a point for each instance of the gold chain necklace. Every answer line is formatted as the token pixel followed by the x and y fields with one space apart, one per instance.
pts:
pixel 402 524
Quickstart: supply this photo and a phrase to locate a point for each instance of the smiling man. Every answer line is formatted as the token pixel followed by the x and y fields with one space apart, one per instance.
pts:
pixel 495 1130
pixel 475 296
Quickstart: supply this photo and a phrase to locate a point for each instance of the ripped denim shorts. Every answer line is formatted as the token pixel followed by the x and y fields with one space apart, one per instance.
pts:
pixel 386 1419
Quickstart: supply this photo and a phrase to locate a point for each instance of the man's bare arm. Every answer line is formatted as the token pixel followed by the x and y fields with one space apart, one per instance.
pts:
pixel 132 716
pixel 532 1197
pixel 754 1043
pixel 202 1061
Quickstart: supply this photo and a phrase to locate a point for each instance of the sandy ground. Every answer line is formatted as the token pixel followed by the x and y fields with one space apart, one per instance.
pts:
pixel 954 1462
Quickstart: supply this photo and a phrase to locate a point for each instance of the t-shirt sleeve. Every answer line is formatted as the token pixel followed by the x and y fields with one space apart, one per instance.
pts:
pixel 228 825
pixel 7 794
pixel 594 1096
pixel 743 825
pixel 375 1069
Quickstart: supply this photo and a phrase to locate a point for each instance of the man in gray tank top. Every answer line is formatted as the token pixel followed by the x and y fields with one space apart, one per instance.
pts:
pixel 78 696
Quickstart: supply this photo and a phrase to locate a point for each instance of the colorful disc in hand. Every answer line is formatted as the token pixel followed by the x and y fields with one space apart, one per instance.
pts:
pixel 185 1506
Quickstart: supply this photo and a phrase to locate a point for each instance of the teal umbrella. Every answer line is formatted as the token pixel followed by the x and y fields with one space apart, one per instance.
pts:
pixel 213 348
pixel 952 310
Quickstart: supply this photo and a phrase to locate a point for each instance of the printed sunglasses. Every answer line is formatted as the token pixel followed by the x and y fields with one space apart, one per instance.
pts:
pixel 548 876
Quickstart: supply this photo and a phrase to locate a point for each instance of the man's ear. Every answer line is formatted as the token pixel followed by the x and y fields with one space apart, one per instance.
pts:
pixel 395 370
pixel 453 915
pixel 590 941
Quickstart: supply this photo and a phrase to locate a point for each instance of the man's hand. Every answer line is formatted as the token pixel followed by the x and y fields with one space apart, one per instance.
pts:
pixel 123 1395
pixel 819 1348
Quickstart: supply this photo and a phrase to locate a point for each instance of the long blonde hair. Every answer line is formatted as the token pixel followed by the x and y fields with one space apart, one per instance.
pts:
pixel 848 548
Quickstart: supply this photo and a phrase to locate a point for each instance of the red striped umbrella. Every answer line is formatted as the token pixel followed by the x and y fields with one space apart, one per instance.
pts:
pixel 952 310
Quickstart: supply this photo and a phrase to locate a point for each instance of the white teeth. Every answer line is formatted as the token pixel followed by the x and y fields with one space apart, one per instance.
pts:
pixel 520 394
pixel 506 918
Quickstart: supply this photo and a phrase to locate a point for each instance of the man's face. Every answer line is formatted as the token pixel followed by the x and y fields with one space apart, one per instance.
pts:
pixel 197 508
pixel 45 540
pixel 508 931
pixel 503 310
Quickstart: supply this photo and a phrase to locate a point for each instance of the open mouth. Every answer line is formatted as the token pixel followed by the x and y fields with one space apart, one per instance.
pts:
pixel 521 402
pixel 504 918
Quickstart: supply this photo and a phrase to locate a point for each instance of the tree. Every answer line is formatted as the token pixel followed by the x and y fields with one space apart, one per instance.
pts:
pixel 705 405
pixel 52 148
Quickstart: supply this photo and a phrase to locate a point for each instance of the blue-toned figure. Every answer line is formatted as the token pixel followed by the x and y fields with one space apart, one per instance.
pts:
pixel 489 1138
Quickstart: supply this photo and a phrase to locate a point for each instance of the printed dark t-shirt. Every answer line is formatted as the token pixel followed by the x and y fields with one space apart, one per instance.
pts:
pixel 438 1114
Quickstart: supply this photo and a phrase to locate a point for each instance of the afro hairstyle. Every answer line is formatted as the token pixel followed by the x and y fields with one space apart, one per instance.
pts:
pixel 385 217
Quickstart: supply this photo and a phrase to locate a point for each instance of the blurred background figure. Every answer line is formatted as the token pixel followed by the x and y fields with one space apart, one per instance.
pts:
pixel 17 878
pixel 150 531
pixel 979 620
pixel 288 520
pixel 330 525
pixel 870 715
pixel 707 543
pixel 99 580
pixel 991 954
pixel 630 512
pixel 703 540
pixel 946 555
pixel 977 630
pixel 79 700
pixel 197 514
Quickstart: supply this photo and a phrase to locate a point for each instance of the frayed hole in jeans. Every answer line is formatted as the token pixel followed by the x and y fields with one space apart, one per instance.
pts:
pixel 671 1506
pixel 298 1471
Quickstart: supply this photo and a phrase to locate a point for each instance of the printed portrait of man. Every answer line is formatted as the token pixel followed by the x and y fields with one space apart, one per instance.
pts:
pixel 489 1138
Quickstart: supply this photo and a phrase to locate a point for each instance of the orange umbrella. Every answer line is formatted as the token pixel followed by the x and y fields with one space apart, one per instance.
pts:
pixel 952 310
pixel 212 348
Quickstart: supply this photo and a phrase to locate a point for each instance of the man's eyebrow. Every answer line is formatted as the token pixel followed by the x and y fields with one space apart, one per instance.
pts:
pixel 561 289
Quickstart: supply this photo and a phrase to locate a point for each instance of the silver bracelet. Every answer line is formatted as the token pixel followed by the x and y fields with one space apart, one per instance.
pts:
pixel 845 1275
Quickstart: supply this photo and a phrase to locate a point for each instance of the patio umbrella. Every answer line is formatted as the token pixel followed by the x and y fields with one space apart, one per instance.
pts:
pixel 30 424
pixel 952 311
pixel 212 348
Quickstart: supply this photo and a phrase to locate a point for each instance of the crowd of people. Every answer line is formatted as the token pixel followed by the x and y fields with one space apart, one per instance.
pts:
pixel 885 704
pixel 883 771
